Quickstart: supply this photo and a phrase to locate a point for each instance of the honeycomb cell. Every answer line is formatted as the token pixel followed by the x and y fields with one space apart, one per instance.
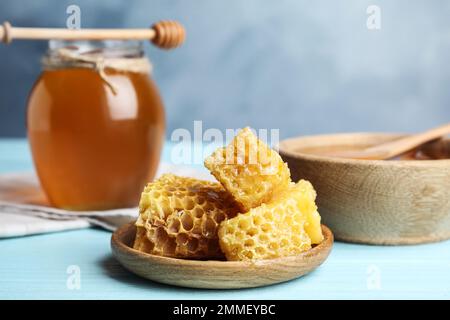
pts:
pixel 287 225
pixel 141 242
pixel 179 217
pixel 251 171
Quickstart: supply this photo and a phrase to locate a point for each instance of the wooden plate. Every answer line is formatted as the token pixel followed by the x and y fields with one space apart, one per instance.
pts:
pixel 213 274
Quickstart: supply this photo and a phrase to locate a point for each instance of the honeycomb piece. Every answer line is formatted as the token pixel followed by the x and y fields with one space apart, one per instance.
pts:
pixel 181 216
pixel 249 170
pixel 141 241
pixel 286 226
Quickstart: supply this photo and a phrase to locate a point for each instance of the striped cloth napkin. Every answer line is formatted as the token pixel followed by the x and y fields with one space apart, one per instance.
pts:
pixel 24 209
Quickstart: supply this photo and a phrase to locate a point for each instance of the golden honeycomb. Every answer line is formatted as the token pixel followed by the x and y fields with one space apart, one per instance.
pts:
pixel 179 217
pixel 251 171
pixel 286 226
pixel 141 241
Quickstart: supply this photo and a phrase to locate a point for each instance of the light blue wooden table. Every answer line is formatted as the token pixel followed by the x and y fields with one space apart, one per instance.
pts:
pixel 36 267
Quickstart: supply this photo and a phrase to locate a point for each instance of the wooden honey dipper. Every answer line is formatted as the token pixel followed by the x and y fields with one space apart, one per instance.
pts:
pixel 163 34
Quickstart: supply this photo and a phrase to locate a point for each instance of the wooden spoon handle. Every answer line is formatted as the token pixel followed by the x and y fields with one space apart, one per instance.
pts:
pixel 397 147
pixel 394 148
pixel 164 34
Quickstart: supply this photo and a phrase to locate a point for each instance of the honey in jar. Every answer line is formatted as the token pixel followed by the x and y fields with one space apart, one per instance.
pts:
pixel 95 124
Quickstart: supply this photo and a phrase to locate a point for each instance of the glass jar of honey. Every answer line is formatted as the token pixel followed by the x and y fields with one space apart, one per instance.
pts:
pixel 95 124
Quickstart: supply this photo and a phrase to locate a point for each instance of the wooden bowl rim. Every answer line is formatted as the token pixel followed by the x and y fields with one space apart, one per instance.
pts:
pixel 116 242
pixel 284 149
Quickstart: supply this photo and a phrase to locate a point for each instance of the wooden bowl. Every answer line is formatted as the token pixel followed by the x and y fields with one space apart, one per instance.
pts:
pixel 213 274
pixel 375 201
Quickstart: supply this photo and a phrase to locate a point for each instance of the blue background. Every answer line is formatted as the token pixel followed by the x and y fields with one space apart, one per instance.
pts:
pixel 301 66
